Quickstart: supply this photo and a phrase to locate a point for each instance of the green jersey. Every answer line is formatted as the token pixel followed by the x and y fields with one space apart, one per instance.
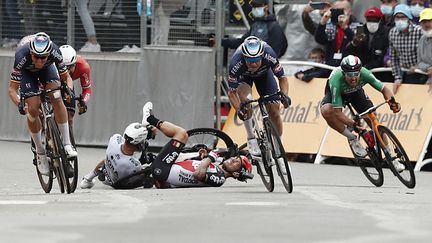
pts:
pixel 338 85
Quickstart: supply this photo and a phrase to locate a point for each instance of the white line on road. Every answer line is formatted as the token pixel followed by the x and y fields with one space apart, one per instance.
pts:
pixel 20 202
pixel 252 204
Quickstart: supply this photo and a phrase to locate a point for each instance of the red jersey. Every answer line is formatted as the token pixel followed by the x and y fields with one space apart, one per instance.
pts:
pixel 82 72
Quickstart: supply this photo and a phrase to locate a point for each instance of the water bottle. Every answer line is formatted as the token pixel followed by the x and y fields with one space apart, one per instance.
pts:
pixel 369 137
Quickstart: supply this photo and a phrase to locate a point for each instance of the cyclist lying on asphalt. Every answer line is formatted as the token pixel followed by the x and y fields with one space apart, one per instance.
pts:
pixel 170 168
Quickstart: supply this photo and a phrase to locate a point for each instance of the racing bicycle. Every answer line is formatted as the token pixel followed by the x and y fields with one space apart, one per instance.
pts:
pixel 270 144
pixel 62 168
pixel 382 148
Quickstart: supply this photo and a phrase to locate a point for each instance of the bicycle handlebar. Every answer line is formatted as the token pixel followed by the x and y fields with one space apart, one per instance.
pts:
pixel 261 99
pixel 374 108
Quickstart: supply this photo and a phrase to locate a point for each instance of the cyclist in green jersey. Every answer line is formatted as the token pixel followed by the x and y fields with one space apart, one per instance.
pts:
pixel 345 84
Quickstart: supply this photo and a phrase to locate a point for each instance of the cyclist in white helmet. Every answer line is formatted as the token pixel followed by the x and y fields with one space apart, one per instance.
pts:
pixel 38 63
pixel 78 69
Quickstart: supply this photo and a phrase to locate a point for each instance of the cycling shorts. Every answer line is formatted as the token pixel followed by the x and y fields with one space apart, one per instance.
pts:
pixel 163 162
pixel 358 99
pixel 31 81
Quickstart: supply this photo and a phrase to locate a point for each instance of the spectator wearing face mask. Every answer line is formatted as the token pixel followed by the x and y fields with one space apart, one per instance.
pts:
pixel 416 7
pixel 387 7
pixel 265 27
pixel 308 10
pixel 403 40
pixel 335 30
pixel 316 55
pixel 424 51
pixel 370 43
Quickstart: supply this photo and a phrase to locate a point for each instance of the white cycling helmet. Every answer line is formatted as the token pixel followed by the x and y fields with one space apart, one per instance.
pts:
pixel 135 133
pixel 252 48
pixel 69 54
pixel 41 44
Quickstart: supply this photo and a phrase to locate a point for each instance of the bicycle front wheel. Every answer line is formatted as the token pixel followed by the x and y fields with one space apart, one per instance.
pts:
pixel 395 152
pixel 73 162
pixel 45 181
pixel 279 156
pixel 59 157
pixel 209 137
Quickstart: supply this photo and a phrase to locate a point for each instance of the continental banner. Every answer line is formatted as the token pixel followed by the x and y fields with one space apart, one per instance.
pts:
pixel 411 125
pixel 305 129
pixel 303 126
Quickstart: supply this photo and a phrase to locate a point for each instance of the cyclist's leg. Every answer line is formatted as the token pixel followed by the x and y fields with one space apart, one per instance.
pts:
pixel 361 102
pixel 244 91
pixel 265 86
pixel 51 79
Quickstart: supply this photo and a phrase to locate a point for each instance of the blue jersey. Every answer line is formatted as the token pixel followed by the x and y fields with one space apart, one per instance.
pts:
pixel 23 61
pixel 238 70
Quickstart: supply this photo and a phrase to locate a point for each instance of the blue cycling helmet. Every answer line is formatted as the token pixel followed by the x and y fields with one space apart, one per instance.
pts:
pixel 252 49
pixel 41 44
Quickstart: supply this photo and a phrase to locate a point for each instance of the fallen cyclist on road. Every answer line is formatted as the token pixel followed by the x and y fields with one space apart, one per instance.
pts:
pixel 170 168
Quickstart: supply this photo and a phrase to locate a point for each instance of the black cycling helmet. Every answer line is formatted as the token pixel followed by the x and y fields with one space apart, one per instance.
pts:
pixel 41 44
pixel 351 64
pixel 252 49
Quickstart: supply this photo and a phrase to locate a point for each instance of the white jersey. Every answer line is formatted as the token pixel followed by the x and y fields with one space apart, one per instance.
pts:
pixel 117 164
pixel 181 175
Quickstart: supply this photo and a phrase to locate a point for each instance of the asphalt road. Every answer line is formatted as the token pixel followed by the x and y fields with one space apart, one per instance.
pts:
pixel 330 203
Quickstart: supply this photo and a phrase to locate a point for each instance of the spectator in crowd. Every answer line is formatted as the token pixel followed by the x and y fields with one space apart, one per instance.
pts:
pixel 403 41
pixel 370 43
pixel 424 51
pixel 29 12
pixel 316 55
pixel 335 31
pixel 416 7
pixel 386 8
pixel 264 27
pixel 308 21
pixel 91 45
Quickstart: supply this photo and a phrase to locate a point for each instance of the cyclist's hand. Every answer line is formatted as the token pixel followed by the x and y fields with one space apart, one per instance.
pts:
pixel 394 106
pixel 285 99
pixel 213 155
pixel 82 106
pixel 242 113
pixel 21 108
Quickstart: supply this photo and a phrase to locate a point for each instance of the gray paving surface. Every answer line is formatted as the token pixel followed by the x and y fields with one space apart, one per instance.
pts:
pixel 330 203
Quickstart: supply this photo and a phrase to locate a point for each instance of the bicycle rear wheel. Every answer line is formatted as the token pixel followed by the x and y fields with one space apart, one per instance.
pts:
pixel 279 156
pixel 59 157
pixel 371 164
pixel 394 151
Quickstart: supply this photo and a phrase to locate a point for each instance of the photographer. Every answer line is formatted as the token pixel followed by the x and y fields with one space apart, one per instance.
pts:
pixel 335 30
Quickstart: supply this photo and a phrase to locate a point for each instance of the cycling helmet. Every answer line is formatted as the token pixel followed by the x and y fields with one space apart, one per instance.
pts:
pixel 252 49
pixel 351 64
pixel 246 164
pixel 135 133
pixel 69 54
pixel 41 44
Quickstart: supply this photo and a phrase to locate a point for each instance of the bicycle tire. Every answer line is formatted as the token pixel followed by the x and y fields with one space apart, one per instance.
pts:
pixel 74 162
pixel 264 168
pixel 278 152
pixel 210 137
pixel 371 165
pixel 59 156
pixel 406 176
pixel 45 181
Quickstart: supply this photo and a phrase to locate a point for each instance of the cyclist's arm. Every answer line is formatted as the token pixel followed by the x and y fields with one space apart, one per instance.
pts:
pixel 86 82
pixel 13 91
pixel 284 85
pixel 201 170
pixel 65 77
pixel 234 99
pixel 387 93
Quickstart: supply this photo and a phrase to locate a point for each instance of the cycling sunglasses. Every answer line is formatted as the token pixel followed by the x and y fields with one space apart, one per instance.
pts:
pixel 252 59
pixel 352 74
pixel 40 57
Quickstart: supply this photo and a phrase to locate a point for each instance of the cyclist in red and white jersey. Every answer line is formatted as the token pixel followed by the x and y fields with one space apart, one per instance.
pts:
pixel 78 69
pixel 170 168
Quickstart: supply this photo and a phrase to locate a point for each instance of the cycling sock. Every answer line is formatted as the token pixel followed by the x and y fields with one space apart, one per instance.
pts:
pixel 154 121
pixel 347 133
pixel 37 139
pixel 92 174
pixel 249 129
pixel 64 130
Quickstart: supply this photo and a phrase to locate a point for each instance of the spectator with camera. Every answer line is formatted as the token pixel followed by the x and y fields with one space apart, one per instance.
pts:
pixel 335 31
pixel 370 43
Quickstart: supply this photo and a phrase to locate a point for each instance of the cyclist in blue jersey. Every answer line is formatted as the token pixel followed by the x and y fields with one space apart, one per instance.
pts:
pixel 39 65
pixel 255 62
pixel 345 84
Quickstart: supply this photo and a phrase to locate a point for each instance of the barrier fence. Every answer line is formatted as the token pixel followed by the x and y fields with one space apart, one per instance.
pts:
pixel 305 131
